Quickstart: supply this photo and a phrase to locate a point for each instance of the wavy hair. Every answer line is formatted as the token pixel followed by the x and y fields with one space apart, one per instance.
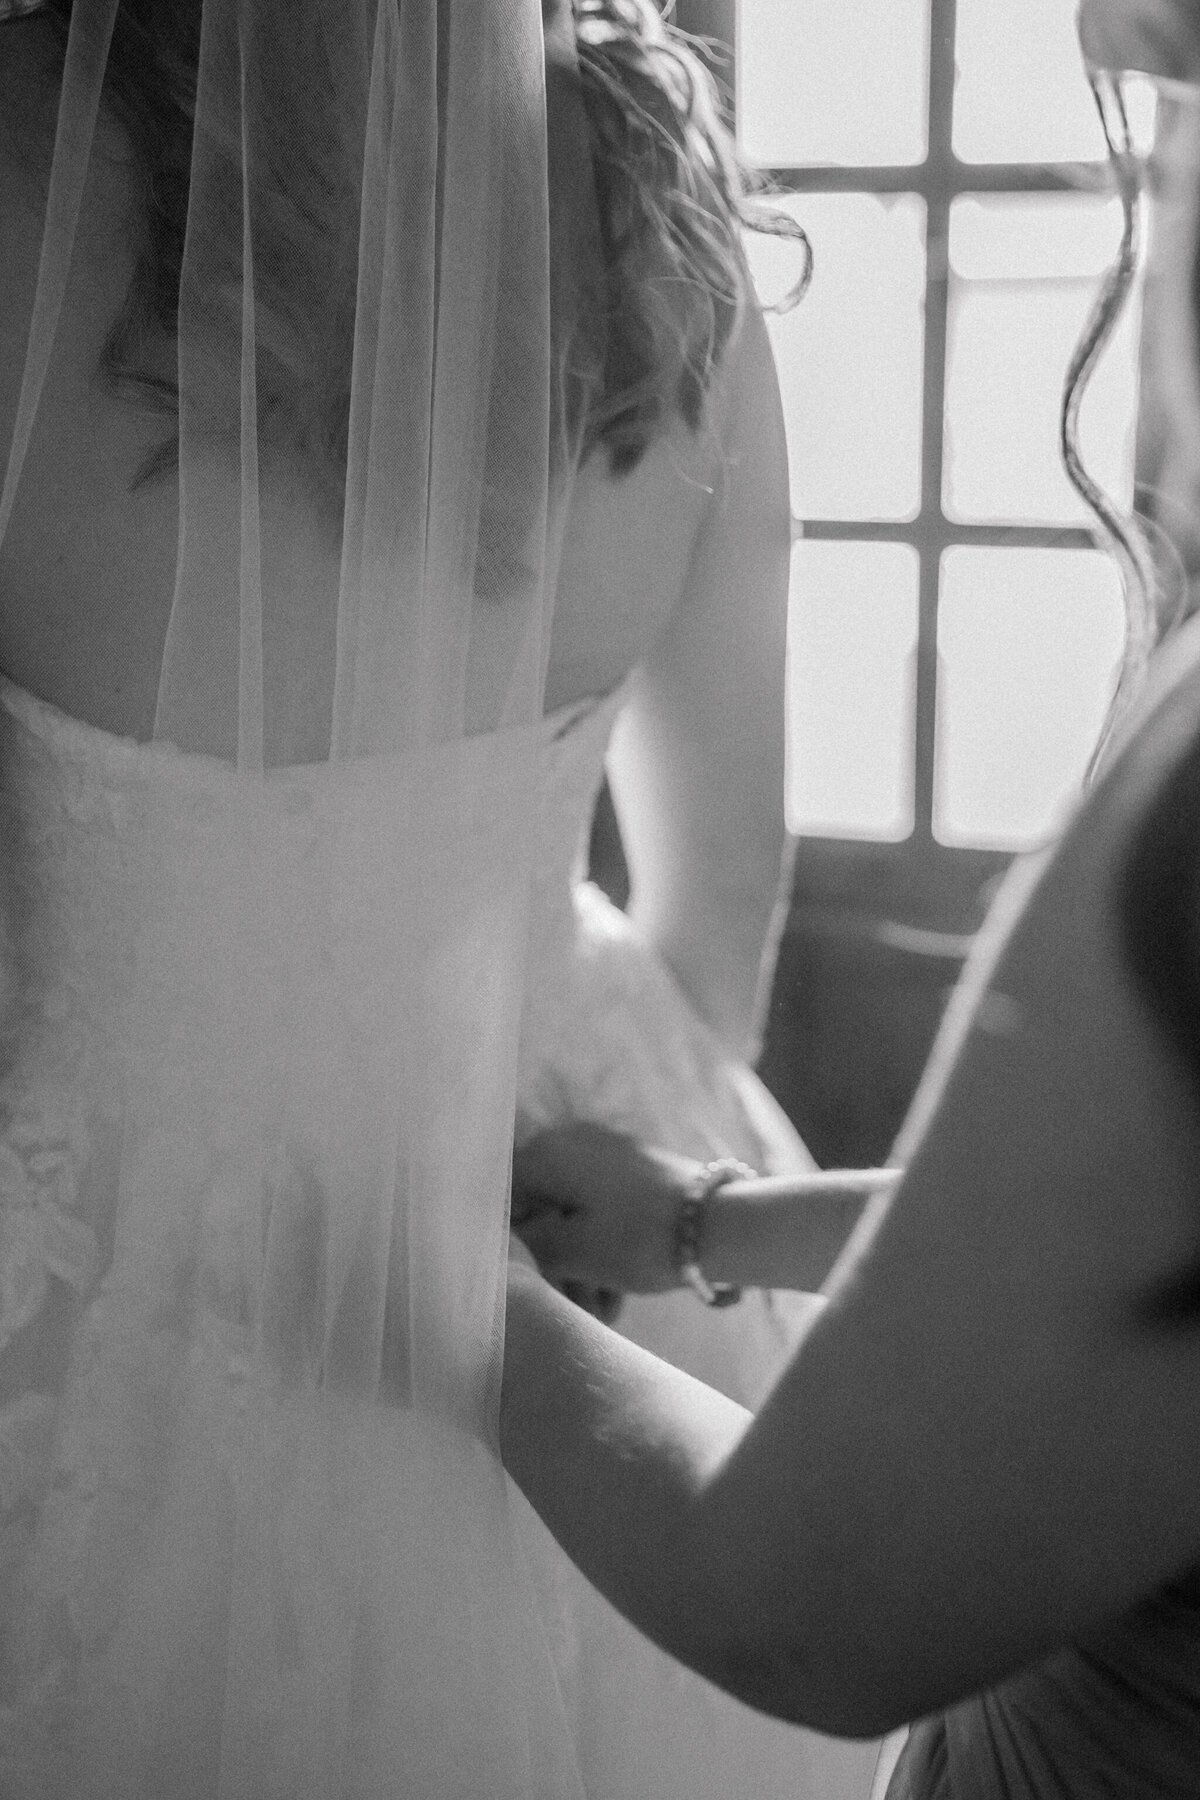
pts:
pixel 1127 539
pixel 673 200
pixel 1153 574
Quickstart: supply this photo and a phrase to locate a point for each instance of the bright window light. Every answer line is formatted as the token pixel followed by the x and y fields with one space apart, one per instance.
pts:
pixel 849 357
pixel 1029 620
pixel 1028 643
pixel 1021 94
pixel 833 84
pixel 1024 272
pixel 852 633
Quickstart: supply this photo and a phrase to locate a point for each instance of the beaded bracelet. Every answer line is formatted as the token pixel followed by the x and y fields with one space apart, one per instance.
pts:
pixel 690 1222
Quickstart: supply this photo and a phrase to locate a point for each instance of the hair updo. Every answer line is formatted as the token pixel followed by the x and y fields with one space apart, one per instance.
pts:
pixel 672 201
pixel 655 307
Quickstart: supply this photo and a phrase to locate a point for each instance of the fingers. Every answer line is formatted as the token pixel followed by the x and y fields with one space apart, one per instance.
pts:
pixel 547 1235
pixel 530 1202
pixel 562 1244
pixel 556 1156
pixel 603 1303
pixel 543 1203
pixel 542 1175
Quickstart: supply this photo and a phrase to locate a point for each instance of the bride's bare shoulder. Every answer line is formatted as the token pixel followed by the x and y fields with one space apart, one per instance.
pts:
pixel 631 537
pixel 625 558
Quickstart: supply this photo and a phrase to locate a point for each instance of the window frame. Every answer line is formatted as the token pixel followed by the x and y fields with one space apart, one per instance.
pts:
pixel 916 876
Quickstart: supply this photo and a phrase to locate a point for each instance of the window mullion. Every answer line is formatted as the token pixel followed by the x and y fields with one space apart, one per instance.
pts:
pixel 937 186
pixel 967 178
pixel 993 535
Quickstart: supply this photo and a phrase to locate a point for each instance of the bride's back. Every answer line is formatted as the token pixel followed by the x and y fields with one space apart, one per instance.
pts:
pixel 87 565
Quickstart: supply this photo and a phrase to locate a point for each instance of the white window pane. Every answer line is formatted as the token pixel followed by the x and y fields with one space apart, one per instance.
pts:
pixel 852 633
pixel 1028 643
pixel 833 84
pixel 1021 94
pixel 1023 275
pixel 849 357
pixel 1033 236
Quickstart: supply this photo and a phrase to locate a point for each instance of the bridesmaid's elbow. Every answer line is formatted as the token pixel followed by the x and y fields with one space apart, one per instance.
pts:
pixel 820 1685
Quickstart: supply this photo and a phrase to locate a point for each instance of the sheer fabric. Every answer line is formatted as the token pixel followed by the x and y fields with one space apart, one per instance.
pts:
pixel 263 1013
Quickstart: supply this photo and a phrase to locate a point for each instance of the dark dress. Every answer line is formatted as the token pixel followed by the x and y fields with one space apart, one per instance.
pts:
pixel 1115 1716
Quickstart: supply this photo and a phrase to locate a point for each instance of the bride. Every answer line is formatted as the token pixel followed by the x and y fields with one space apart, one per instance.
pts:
pixel 284 460
pixel 298 359
pixel 980 1513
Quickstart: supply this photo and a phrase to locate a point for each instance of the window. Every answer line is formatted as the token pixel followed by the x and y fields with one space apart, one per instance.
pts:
pixel 954 631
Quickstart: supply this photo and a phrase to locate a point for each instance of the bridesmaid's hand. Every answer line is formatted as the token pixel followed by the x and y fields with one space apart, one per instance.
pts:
pixel 597 1209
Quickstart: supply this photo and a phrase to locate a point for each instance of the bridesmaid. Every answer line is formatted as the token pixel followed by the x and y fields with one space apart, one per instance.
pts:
pixel 973 1498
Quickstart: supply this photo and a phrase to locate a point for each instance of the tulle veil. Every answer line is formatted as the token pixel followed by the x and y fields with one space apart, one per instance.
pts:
pixel 274 1557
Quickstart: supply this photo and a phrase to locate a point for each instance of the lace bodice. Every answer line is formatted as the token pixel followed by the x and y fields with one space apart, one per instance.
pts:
pixel 230 1194
pixel 237 1213
pixel 78 810
pixel 74 807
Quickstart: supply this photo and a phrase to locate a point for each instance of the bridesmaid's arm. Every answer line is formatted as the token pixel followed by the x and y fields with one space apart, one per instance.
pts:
pixel 696 763
pixel 986 1443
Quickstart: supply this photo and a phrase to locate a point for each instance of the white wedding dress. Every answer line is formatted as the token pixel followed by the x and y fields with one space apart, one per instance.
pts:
pixel 232 1563
pixel 181 1578
pixel 608 1035
pixel 262 972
